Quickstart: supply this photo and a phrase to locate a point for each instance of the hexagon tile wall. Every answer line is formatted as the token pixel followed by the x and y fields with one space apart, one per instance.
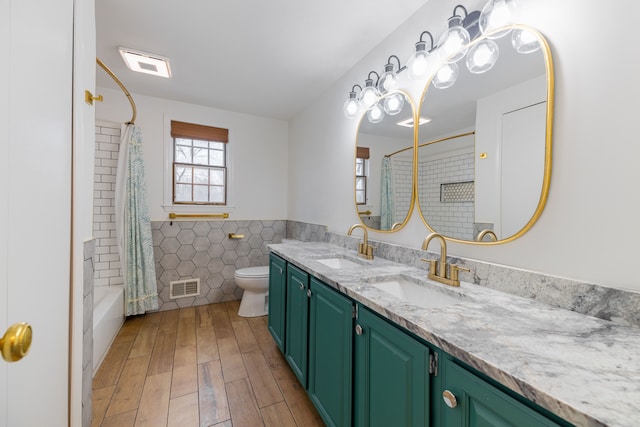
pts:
pixel 189 249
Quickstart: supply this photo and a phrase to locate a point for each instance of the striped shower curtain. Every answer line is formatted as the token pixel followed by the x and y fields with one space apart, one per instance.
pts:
pixel 133 227
pixel 387 205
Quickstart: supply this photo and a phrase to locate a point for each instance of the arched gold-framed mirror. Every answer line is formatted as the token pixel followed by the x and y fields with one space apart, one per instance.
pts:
pixel 384 167
pixel 484 158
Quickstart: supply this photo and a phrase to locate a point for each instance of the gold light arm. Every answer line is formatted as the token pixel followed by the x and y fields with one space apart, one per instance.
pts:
pixel 124 89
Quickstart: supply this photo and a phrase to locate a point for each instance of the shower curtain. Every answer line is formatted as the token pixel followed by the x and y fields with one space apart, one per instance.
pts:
pixel 387 206
pixel 133 227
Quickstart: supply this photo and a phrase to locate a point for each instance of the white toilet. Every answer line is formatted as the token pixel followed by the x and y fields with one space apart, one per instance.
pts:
pixel 255 283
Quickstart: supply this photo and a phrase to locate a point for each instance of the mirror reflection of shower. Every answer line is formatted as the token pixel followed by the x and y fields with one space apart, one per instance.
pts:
pixel 388 168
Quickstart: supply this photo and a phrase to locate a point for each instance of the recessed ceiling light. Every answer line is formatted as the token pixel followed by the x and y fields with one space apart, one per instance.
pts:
pixel 144 62
pixel 409 122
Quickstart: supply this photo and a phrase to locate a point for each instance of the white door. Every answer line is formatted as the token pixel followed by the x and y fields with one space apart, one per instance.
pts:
pixel 522 157
pixel 35 205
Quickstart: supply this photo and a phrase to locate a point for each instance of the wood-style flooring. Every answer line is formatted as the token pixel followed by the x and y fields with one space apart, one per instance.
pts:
pixel 199 366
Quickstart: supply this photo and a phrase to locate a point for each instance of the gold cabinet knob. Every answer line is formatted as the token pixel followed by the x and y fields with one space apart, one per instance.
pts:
pixel 450 399
pixel 16 342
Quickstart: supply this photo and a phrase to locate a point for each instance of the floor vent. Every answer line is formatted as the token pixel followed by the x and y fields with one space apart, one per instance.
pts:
pixel 184 288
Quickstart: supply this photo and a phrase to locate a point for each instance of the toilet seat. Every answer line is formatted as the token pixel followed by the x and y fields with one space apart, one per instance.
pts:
pixel 251 272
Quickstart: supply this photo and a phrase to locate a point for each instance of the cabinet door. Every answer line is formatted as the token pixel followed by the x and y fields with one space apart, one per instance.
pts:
pixel 391 375
pixel 330 353
pixel 277 299
pixel 297 320
pixel 480 404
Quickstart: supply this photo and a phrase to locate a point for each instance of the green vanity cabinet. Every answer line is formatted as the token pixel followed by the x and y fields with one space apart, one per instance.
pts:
pixel 297 322
pixel 277 299
pixel 371 372
pixel 330 353
pixel 391 375
pixel 477 403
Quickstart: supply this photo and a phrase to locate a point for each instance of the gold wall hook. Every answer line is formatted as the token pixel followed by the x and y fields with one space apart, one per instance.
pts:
pixel 89 98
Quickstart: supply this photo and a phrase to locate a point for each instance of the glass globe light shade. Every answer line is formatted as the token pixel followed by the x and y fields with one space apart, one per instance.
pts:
pixel 446 76
pixel 351 106
pixel 525 41
pixel 375 114
pixel 418 64
pixel 482 56
pixel 393 104
pixel 496 14
pixel 452 45
pixel 369 95
pixel 388 80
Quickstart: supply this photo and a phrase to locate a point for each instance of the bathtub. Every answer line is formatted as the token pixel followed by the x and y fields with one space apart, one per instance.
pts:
pixel 108 317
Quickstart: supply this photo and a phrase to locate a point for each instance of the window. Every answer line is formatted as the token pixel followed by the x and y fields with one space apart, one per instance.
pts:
pixel 199 164
pixel 362 170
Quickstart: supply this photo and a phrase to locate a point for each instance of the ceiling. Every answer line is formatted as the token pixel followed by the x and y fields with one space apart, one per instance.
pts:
pixel 266 58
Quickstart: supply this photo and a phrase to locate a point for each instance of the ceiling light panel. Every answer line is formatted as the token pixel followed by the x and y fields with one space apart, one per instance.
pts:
pixel 409 122
pixel 145 62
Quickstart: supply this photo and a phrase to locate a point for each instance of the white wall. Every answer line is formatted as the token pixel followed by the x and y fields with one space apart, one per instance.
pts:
pixel 258 148
pixel 589 229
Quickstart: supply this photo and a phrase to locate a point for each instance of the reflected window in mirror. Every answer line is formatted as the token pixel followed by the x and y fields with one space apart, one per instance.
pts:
pixel 390 191
pixel 362 172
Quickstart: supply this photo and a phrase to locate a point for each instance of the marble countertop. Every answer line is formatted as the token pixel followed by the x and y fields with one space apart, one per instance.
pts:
pixel 583 369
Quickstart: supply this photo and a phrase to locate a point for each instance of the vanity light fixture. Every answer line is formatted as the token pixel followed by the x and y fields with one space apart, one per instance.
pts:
pixel 524 41
pixel 440 61
pixel 393 104
pixel 482 56
pixel 446 76
pixel 422 60
pixel 369 95
pixel 453 42
pixel 388 81
pixel 375 114
pixel 496 14
pixel 351 106
pixel 145 62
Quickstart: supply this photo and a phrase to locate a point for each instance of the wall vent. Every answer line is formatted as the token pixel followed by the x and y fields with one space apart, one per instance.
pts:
pixel 184 288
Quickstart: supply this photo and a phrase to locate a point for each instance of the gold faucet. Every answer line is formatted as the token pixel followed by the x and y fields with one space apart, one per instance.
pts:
pixel 438 270
pixel 486 232
pixel 364 249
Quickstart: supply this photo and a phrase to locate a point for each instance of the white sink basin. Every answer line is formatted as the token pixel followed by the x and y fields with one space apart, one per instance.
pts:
pixel 414 293
pixel 338 263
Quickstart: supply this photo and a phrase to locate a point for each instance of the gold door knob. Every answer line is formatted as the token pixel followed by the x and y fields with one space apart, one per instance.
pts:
pixel 16 342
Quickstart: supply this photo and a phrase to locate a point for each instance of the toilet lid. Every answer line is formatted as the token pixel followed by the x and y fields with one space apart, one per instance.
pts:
pixel 262 271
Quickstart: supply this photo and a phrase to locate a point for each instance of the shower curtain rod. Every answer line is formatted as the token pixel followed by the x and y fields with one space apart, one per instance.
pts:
pixel 424 144
pixel 124 89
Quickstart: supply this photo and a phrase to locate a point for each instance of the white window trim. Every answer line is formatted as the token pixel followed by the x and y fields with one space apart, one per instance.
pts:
pixel 167 174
